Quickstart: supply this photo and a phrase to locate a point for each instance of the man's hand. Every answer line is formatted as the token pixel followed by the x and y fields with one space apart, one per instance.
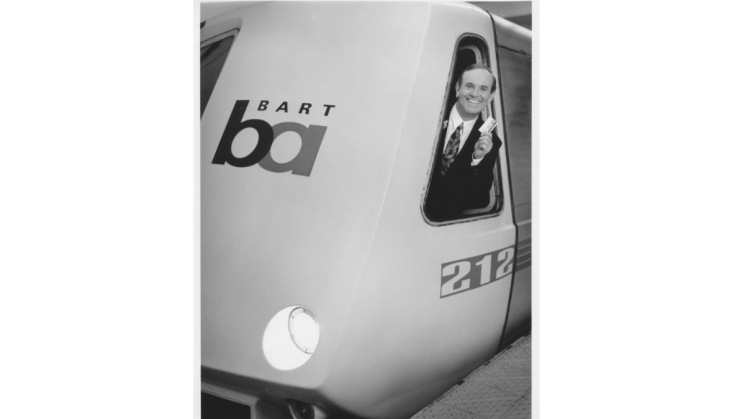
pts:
pixel 483 146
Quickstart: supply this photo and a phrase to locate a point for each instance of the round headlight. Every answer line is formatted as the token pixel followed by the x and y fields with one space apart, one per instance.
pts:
pixel 290 338
pixel 304 329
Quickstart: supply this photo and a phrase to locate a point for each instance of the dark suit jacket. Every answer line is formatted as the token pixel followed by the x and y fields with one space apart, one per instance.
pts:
pixel 463 186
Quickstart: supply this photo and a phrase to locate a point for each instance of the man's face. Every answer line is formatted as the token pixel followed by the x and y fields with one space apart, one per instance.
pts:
pixel 474 93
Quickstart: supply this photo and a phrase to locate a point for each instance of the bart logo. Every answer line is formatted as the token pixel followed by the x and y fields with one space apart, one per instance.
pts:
pixel 301 164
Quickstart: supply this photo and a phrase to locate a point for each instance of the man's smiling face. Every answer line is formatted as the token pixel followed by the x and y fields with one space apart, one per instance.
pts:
pixel 474 93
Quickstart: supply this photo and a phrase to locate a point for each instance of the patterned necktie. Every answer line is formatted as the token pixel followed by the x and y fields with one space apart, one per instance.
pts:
pixel 451 150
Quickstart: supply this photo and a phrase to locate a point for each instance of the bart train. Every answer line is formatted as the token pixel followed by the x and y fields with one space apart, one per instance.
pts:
pixel 326 287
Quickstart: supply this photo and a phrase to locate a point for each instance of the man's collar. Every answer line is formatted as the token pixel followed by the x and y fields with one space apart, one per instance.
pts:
pixel 456 117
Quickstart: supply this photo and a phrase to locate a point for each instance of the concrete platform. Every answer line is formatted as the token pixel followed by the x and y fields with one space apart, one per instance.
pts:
pixel 499 389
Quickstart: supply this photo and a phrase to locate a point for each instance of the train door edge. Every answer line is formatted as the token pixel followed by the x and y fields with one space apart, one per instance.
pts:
pixel 523 246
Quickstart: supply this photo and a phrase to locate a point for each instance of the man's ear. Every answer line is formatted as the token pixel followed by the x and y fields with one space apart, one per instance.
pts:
pixel 457 87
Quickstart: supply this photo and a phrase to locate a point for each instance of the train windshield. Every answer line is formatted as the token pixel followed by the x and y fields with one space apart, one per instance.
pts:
pixel 212 56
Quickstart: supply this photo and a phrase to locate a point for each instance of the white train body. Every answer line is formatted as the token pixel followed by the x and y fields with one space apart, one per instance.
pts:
pixel 325 210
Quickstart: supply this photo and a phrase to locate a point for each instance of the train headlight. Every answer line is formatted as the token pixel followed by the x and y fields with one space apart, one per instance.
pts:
pixel 291 337
pixel 304 329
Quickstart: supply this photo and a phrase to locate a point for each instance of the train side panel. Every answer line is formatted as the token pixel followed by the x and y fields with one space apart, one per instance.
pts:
pixel 515 72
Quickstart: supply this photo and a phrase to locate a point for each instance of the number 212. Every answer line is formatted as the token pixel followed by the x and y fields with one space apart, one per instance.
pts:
pixel 460 269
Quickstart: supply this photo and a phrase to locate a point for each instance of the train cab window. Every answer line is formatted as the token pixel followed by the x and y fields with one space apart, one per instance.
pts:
pixel 212 56
pixel 464 179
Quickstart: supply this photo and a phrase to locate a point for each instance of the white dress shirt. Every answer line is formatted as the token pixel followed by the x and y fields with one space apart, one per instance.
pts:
pixel 453 123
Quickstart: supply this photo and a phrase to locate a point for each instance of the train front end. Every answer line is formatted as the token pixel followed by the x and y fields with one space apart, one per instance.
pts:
pixel 298 143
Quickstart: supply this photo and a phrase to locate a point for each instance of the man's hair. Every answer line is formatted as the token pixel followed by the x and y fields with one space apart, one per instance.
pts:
pixel 483 67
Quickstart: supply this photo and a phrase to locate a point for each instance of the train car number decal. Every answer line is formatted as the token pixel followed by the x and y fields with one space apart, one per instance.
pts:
pixel 471 273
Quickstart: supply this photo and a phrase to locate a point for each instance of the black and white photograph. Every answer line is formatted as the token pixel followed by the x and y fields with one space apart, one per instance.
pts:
pixel 312 209
pixel 365 210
